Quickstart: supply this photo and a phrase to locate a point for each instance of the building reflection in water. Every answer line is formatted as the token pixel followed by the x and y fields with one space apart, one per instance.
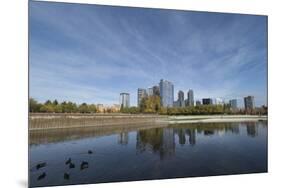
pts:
pixel 252 130
pixel 161 141
pixel 123 138
pixel 181 135
pixel 168 148
pixel 184 133
pixel 192 137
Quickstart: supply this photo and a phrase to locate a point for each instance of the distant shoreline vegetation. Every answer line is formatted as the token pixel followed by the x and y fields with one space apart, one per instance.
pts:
pixel 150 105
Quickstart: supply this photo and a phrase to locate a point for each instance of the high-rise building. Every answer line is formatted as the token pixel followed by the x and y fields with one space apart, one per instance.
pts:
pixel 190 98
pixel 166 93
pixel 180 101
pixel 124 100
pixel 218 101
pixel 141 94
pixel 198 103
pixel 156 90
pixel 207 101
pixel 180 96
pixel 150 91
pixel 233 104
pixel 249 102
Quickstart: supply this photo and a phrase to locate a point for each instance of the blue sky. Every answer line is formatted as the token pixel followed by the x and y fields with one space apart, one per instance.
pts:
pixel 90 53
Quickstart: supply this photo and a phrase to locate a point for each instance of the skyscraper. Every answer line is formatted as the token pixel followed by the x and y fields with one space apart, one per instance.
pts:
pixel 124 100
pixel 207 101
pixel 166 93
pixel 190 98
pixel 180 95
pixel 218 101
pixel 156 90
pixel 249 102
pixel 150 91
pixel 198 103
pixel 141 94
pixel 233 104
pixel 180 101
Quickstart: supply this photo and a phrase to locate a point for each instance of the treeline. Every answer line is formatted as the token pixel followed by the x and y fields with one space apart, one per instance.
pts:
pixel 152 104
pixel 64 107
pixel 191 110
pixel 148 105
pixel 197 110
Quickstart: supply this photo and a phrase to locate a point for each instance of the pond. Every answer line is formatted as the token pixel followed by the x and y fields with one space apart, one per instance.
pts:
pixel 128 153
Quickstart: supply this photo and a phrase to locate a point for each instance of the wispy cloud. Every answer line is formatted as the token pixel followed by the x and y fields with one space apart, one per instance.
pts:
pixel 90 53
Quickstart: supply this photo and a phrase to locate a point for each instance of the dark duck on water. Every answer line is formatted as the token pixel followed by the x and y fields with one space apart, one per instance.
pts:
pixel 68 161
pixel 84 165
pixel 40 165
pixel 71 165
pixel 66 176
pixel 42 176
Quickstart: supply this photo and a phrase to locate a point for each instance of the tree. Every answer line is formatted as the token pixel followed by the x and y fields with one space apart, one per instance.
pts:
pixel 57 108
pixel 55 102
pixel 150 104
pixel 83 108
pixel 48 102
pixel 34 106
pixel 47 108
pixel 92 108
pixel 142 104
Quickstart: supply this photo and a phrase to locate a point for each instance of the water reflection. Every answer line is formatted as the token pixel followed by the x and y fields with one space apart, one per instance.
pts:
pixel 192 136
pixel 150 152
pixel 181 135
pixel 123 138
pixel 158 140
pixel 148 137
pixel 62 135
pixel 252 130
pixel 162 140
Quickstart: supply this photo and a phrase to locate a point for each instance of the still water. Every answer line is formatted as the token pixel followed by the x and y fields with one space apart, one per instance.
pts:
pixel 147 152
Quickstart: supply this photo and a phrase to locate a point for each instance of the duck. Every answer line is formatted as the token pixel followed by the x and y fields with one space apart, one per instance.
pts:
pixel 71 165
pixel 68 161
pixel 66 176
pixel 90 151
pixel 84 165
pixel 42 176
pixel 40 165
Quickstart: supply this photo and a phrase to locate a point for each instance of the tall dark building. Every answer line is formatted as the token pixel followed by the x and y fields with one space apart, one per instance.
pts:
pixel 180 101
pixel 249 102
pixel 180 96
pixel 190 98
pixel 156 90
pixel 207 101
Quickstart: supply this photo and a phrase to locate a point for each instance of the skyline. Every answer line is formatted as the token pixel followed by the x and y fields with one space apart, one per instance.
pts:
pixel 92 53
